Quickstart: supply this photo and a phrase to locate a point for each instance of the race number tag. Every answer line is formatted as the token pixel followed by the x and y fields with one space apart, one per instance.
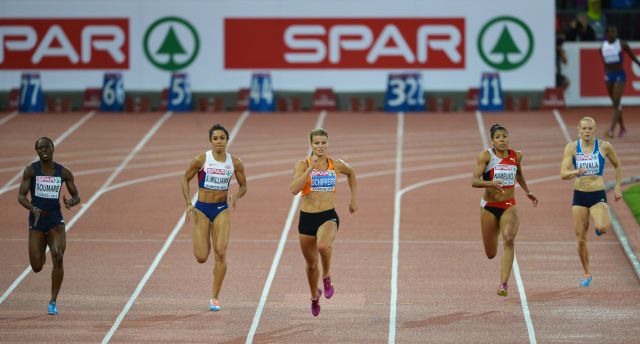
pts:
pixel 323 180
pixel 48 187
pixel 505 174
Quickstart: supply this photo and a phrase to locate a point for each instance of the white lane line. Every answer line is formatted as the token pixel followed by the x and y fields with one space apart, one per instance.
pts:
pixel 562 125
pixel 165 247
pixel 278 254
pixel 8 117
pixel 516 270
pixel 7 186
pixel 85 206
pixel 396 230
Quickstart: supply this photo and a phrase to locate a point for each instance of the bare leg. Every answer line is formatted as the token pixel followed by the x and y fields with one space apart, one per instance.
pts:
pixel 490 231
pixel 324 241
pixel 37 249
pixel 200 236
pixel 581 225
pixel 509 223
pixel 600 214
pixel 310 253
pixel 57 241
pixel 220 237
pixel 618 90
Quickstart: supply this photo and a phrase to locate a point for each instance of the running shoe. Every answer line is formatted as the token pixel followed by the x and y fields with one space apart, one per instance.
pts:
pixel 315 304
pixel 502 291
pixel 622 132
pixel 586 281
pixel 598 232
pixel 328 287
pixel 214 305
pixel 53 308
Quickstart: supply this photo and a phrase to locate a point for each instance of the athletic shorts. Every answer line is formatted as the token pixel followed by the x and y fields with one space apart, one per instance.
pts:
pixel 48 220
pixel 497 208
pixel 211 209
pixel 311 222
pixel 588 199
pixel 613 77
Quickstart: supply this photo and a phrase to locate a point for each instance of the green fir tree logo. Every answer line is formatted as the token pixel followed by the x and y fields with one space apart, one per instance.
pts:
pixel 505 46
pixel 171 46
pixel 171 37
pixel 497 46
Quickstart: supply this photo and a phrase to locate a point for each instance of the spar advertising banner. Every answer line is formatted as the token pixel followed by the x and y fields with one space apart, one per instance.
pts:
pixel 303 44
pixel 585 71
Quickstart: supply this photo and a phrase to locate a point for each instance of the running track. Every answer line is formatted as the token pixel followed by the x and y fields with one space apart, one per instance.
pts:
pixel 408 267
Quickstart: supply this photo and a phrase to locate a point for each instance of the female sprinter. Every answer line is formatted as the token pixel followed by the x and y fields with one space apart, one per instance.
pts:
pixel 614 75
pixel 211 215
pixel 497 170
pixel 589 197
pixel 316 178
pixel 44 180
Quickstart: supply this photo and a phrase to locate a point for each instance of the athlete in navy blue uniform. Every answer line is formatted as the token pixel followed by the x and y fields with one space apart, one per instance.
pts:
pixel 43 179
pixel 584 160
pixel 614 75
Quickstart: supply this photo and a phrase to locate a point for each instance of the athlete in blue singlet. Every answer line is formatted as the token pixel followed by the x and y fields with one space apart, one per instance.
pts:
pixel 614 75
pixel 214 169
pixel 584 160
pixel 43 179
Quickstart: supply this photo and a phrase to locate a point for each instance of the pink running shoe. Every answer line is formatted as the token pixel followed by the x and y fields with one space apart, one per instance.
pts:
pixel 622 132
pixel 315 304
pixel 328 287
pixel 503 290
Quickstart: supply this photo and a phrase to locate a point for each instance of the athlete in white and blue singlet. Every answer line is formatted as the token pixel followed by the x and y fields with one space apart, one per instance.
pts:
pixel 214 169
pixel 614 75
pixel 584 160
pixel 497 170
pixel 44 180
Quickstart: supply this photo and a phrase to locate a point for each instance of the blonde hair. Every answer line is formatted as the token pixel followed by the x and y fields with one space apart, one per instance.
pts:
pixel 317 132
pixel 587 118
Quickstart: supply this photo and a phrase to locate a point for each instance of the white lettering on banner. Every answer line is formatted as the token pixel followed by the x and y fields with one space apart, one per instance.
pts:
pixel 45 47
pixel 48 187
pixel 56 43
pixel 636 71
pixel 9 38
pixel 112 46
pixel 390 42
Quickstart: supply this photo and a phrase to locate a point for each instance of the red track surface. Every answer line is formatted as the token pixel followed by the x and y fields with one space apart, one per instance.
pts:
pixel 445 285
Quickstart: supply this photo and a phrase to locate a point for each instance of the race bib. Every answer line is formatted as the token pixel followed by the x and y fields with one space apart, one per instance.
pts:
pixel 323 180
pixel 505 174
pixel 588 162
pixel 217 178
pixel 48 187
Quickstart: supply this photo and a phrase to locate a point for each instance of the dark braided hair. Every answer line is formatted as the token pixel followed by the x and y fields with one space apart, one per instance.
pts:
pixel 497 127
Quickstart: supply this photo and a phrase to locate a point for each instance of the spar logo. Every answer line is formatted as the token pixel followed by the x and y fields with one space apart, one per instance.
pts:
pixel 358 43
pixel 505 43
pixel 64 43
pixel 171 43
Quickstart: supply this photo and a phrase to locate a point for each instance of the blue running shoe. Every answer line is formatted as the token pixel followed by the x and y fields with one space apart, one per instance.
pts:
pixel 214 305
pixel 53 309
pixel 586 281
pixel 598 232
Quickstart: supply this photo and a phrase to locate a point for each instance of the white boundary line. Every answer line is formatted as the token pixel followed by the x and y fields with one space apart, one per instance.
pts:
pixel 278 254
pixel 86 206
pixel 8 117
pixel 562 125
pixel 163 250
pixel 7 186
pixel 516 269
pixel 397 205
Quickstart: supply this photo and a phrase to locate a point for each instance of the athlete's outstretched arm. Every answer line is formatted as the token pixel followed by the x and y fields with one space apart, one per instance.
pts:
pixel 195 165
pixel 346 169
pixel 627 49
pixel 566 172
pixel 523 183
pixel 476 178
pixel 241 178
pixel 613 158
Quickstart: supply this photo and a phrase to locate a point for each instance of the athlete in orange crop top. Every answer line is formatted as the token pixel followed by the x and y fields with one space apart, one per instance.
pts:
pixel 316 179
pixel 497 170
